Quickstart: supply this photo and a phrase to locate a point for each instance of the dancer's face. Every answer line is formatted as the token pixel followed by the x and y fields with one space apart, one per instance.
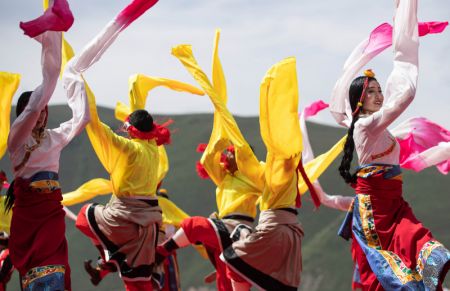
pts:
pixel 374 98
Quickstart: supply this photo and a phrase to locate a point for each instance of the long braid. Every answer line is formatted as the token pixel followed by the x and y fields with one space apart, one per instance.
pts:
pixel 356 98
pixel 349 147
pixel 10 198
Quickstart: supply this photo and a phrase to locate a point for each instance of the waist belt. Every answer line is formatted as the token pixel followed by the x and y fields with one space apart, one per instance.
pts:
pixel 45 182
pixel 291 210
pixel 151 202
pixel 239 217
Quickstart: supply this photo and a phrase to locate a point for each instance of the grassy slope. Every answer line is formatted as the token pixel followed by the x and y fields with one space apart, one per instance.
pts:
pixel 326 258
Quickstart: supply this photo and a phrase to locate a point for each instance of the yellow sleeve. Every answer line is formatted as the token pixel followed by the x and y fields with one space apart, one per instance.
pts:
pixel 218 77
pixel 5 217
pixel 122 111
pixel 107 145
pixel 279 124
pixel 87 191
pixel 224 127
pixel 8 86
pixel 246 160
pixel 171 213
pixel 139 85
pixel 278 118
pixel 317 166
pixel 174 215
pixel 163 166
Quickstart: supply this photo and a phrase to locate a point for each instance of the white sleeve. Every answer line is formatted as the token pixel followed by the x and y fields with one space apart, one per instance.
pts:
pixel 338 202
pixel 402 82
pixel 51 65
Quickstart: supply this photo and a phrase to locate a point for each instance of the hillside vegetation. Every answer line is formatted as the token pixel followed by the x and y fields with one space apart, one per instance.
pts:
pixel 326 257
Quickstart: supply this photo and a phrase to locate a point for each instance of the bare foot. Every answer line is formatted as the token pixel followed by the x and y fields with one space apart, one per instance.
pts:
pixel 57 18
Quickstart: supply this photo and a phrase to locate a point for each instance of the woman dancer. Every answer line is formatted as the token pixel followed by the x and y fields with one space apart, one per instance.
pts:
pixel 391 248
pixel 238 186
pixel 37 244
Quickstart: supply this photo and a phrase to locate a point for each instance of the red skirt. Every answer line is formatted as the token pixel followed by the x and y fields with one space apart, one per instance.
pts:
pixel 391 248
pixel 38 230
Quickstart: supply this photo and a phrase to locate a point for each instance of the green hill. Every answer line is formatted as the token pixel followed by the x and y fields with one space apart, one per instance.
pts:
pixel 326 257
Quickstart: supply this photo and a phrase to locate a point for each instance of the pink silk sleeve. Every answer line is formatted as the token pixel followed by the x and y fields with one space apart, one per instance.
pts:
pixel 423 143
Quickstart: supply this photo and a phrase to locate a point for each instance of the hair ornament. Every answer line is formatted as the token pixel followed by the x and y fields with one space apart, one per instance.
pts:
pixel 369 73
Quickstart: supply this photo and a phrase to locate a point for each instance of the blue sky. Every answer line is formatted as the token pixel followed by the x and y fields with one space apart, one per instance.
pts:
pixel 255 35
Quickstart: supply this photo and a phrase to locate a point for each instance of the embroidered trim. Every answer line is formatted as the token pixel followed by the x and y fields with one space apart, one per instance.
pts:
pixel 398 267
pixel 39 272
pixel 401 271
pixel 368 223
pixel 45 186
pixel 386 152
pixel 425 252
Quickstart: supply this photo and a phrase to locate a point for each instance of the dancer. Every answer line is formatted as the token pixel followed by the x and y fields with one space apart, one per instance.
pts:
pixel 238 188
pixel 139 87
pixel 125 230
pixel 278 106
pixel 391 248
pixel 35 194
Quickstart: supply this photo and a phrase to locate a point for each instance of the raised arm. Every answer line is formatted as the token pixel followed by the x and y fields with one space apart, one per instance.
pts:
pixel 105 142
pixel 402 82
pixel 379 40
pixel 51 64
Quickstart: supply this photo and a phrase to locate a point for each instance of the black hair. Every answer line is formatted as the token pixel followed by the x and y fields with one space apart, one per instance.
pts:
pixel 355 91
pixel 9 200
pixel 22 102
pixel 142 120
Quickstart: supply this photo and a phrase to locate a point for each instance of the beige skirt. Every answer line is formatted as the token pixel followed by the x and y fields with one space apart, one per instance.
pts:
pixel 128 231
pixel 270 258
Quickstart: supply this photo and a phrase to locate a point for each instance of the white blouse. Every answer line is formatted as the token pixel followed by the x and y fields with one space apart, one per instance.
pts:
pixel 46 156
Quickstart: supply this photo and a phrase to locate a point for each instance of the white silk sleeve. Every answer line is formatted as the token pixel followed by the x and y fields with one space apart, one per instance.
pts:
pixel 402 82
pixel 51 64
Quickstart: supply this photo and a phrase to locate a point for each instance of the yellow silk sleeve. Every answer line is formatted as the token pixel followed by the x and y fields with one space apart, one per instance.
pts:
pixel 139 85
pixel 87 191
pixel 278 118
pixel 163 166
pixel 246 161
pixel 5 217
pixel 174 215
pixel 122 111
pixel 9 83
pixel 281 134
pixel 317 166
pixel 107 145
pixel 218 77
pixel 171 213
pixel 224 127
